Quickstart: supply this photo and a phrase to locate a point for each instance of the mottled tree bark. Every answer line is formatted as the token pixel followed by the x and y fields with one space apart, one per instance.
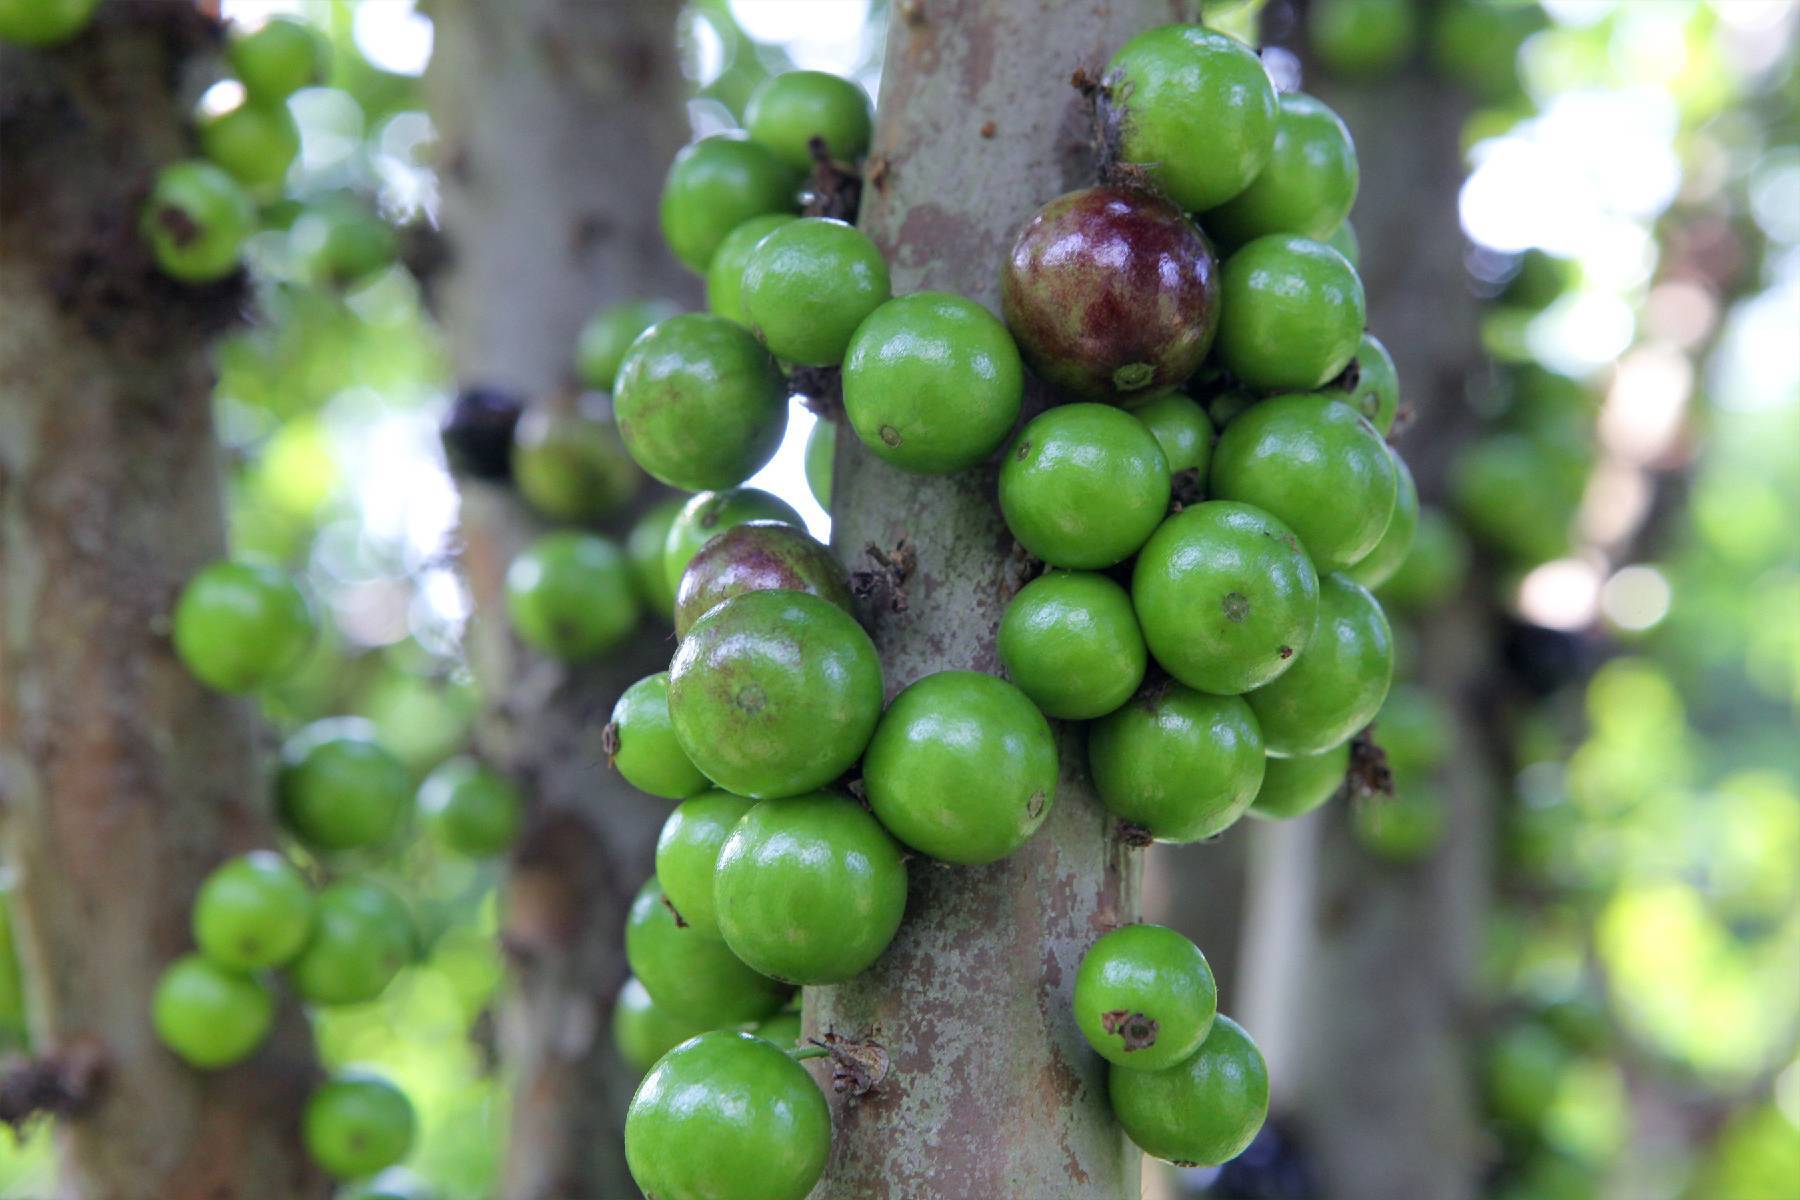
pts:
pixel 124 781
pixel 1363 974
pixel 992 1090
pixel 557 119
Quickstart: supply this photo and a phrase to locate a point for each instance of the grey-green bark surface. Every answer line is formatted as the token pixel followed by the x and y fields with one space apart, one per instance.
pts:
pixel 556 119
pixel 1364 989
pixel 123 780
pixel 992 1091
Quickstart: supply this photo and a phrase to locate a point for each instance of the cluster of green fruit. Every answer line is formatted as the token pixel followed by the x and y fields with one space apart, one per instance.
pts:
pixel 1253 601
pixel 214 1007
pixel 240 626
pixel 201 211
pixel 1186 1082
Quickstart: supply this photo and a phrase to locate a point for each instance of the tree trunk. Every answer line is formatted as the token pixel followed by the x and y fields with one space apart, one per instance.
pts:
pixel 1363 975
pixel 992 1090
pixel 556 119
pixel 124 781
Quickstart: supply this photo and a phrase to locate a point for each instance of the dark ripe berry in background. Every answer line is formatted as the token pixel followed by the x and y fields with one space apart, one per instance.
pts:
pixel 478 432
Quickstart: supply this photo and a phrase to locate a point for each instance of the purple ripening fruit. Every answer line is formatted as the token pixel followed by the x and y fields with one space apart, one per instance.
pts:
pixel 1112 293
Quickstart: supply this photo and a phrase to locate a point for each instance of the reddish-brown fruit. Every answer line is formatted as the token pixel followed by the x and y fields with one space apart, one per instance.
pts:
pixel 758 556
pixel 1112 294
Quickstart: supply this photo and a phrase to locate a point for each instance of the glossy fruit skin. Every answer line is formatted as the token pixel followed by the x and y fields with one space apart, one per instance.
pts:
pixel 1379 564
pixel 1180 763
pixel 716 184
pixel 571 467
pixel 700 403
pixel 775 693
pixel 1433 569
pixel 40 23
pixel 1145 997
pixel 963 767
pixel 209 1015
pixel 725 274
pixel 809 284
pixel 1111 293
pixel 1198 112
pixel 1182 428
pixel 691 975
pixel 727 1115
pixel 1308 184
pixel 1084 485
pixel 932 383
pixel 810 889
pixel 609 333
pixel 338 788
pixel 1293 313
pixel 256 143
pixel 278 59
pixel 253 911
pixel 788 110
pixel 641 1031
pixel 1293 787
pixel 644 548
pixel 356 1125
pixel 472 809
pixel 758 556
pixel 239 625
pixel 1318 467
pixel 362 936
pixel 570 595
pixel 648 754
pixel 1337 683
pixel 1240 563
pixel 1361 37
pixel 821 449
pixel 687 854
pixel 1344 240
pixel 1070 641
pixel 1199 1112
pixel 706 515
pixel 1377 392
pixel 196 221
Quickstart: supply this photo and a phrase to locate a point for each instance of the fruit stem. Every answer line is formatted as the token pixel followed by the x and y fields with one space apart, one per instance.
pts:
pixel 802 1053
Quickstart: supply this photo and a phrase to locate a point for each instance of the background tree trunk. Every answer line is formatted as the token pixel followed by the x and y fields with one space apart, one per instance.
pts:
pixel 1362 976
pixel 993 1091
pixel 556 119
pixel 124 781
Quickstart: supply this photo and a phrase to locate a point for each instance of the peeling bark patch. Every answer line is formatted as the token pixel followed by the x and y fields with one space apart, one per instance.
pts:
pixel 1136 1030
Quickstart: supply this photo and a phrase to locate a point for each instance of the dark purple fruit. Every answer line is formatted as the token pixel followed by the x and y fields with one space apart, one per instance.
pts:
pixel 478 432
pixel 1112 294
pixel 759 556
